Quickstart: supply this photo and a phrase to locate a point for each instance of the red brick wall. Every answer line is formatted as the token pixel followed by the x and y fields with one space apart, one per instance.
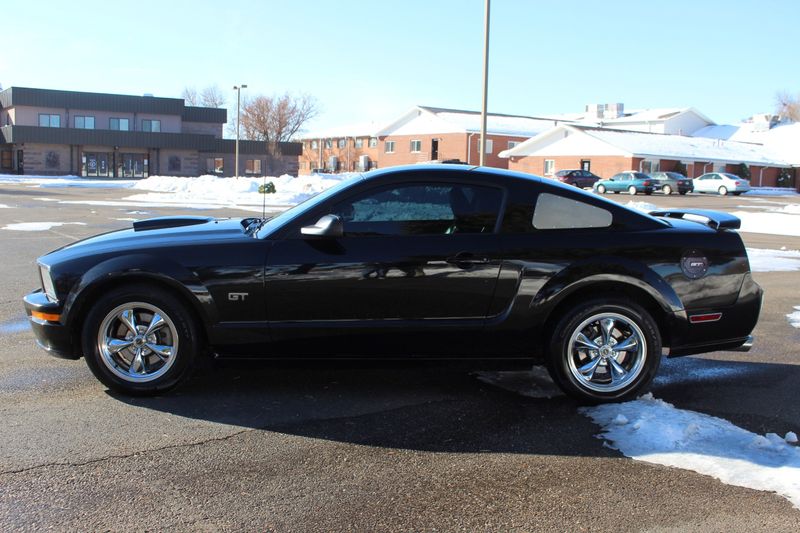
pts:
pixel 348 156
pixel 603 166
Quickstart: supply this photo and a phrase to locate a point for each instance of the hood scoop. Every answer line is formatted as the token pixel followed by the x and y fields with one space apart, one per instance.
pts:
pixel 169 222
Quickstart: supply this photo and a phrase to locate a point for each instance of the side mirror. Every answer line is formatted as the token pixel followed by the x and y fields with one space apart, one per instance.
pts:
pixel 327 226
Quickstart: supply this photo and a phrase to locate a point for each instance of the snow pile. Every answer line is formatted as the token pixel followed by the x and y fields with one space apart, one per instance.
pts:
pixel 4 206
pixel 794 318
pixel 776 222
pixel 214 190
pixel 48 182
pixel 773 260
pixel 771 191
pixel 654 431
pixel 38 226
pixel 642 206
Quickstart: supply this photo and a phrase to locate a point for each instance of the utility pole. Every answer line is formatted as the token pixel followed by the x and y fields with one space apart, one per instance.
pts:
pixel 485 83
pixel 238 89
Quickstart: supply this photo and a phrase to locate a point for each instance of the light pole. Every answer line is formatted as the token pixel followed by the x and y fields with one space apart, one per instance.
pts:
pixel 238 89
pixel 485 84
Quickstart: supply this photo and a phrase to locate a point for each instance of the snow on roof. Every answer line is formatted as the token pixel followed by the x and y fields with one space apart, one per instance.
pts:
pixel 783 139
pixel 654 115
pixel 362 129
pixel 641 144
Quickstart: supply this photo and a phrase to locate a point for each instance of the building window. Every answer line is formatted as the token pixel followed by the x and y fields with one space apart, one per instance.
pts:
pixel 174 163
pixel 314 145
pixel 549 166
pixel 5 159
pixel 489 146
pixel 359 143
pixel 373 142
pixel 151 125
pixel 341 143
pixel 84 122
pixel 252 166
pixel 214 164
pixel 389 147
pixel 49 121
pixel 120 124
pixel 416 146
pixel 328 143
pixel 512 144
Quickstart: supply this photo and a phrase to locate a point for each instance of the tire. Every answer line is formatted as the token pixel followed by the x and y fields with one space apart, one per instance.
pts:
pixel 601 189
pixel 589 370
pixel 632 190
pixel 682 193
pixel 122 354
pixel 737 193
pixel 722 190
pixel 666 189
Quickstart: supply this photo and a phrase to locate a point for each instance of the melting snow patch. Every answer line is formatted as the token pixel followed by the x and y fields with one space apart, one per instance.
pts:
pixel 655 431
pixel 794 318
pixel 38 226
pixel 642 206
pixel 4 206
pixel 774 223
pixel 773 260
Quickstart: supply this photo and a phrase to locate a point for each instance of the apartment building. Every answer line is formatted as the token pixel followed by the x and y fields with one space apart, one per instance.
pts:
pixel 51 132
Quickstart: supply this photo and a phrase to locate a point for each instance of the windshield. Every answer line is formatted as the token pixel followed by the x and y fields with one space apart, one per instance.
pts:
pixel 278 221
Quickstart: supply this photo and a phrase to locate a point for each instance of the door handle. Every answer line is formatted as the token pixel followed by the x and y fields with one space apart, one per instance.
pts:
pixel 466 260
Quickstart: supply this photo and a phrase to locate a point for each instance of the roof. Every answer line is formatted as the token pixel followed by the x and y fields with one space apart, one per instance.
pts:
pixel 654 115
pixel 782 139
pixel 585 140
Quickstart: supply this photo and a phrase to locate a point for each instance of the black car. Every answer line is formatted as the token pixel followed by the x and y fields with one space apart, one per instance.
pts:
pixel 414 263
pixel 577 177
pixel 667 182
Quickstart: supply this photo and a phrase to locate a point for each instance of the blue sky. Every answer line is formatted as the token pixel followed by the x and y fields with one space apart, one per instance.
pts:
pixel 372 60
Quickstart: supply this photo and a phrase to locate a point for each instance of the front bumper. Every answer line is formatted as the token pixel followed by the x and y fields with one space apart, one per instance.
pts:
pixel 51 335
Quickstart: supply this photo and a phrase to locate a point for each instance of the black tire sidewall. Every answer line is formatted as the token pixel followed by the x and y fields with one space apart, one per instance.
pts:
pixel 172 307
pixel 557 362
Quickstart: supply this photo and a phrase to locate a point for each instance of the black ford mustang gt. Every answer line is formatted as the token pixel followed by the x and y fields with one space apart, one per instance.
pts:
pixel 420 262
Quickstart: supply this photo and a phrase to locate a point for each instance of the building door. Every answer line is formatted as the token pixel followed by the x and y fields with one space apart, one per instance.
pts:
pixel 586 165
pixel 434 149
pixel 20 163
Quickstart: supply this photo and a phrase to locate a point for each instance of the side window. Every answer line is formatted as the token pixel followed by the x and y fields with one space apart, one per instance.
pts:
pixel 422 209
pixel 556 212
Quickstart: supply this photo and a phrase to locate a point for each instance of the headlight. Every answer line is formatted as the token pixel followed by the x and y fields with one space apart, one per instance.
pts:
pixel 47 282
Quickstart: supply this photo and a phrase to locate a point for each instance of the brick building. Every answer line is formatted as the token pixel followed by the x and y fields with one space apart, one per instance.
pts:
pixel 422 134
pixel 606 152
pixel 48 132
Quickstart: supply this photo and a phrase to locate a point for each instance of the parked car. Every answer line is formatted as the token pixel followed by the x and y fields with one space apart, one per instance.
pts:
pixel 422 262
pixel 628 181
pixel 721 183
pixel 668 182
pixel 577 177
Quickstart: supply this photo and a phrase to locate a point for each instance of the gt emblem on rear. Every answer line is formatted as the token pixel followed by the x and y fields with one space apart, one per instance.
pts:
pixel 237 296
pixel 694 264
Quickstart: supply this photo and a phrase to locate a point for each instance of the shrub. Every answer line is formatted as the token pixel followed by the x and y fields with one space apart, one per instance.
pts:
pixel 267 188
pixel 785 178
pixel 744 171
pixel 680 168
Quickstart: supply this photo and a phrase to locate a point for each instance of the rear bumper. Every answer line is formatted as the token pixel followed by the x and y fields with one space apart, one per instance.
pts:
pixel 52 336
pixel 732 332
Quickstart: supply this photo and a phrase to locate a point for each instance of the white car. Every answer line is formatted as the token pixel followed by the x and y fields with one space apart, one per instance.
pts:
pixel 721 183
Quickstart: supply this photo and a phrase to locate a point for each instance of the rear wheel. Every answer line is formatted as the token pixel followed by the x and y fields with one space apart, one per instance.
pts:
pixel 666 189
pixel 631 190
pixel 682 193
pixel 604 350
pixel 139 340
pixel 737 193
pixel 722 191
pixel 601 189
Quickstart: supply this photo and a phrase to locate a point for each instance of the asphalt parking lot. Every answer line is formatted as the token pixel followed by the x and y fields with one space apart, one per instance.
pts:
pixel 332 449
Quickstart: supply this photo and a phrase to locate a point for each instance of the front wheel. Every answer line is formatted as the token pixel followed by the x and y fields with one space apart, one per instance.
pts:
pixel 723 191
pixel 631 190
pixel 601 189
pixel 666 189
pixel 139 340
pixel 604 350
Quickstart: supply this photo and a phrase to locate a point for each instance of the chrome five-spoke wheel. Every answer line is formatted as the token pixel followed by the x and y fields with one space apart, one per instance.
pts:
pixel 607 352
pixel 137 342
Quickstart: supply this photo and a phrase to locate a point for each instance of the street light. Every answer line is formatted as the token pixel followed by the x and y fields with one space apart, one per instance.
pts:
pixel 238 89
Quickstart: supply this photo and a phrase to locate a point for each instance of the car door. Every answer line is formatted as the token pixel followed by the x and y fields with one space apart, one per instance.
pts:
pixel 412 275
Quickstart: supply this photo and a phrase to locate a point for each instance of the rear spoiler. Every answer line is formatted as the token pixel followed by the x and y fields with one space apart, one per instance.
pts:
pixel 714 219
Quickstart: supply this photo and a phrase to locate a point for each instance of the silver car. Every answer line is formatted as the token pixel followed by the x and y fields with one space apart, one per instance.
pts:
pixel 721 183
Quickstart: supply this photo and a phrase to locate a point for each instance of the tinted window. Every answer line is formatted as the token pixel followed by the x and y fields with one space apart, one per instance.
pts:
pixel 422 209
pixel 556 212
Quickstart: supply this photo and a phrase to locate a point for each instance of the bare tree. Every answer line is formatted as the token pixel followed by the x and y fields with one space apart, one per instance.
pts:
pixel 189 95
pixel 212 97
pixel 788 106
pixel 276 119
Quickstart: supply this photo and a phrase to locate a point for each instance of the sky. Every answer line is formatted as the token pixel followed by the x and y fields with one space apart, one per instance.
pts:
pixel 370 61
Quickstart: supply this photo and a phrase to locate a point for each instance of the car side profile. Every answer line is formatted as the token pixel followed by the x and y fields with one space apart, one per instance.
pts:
pixel 721 183
pixel 628 181
pixel 577 177
pixel 425 262
pixel 669 182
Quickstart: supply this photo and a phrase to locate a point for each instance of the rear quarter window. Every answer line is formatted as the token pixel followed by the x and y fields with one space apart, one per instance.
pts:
pixel 557 212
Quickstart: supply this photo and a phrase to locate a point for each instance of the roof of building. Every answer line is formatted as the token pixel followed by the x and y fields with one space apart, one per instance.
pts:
pixel 781 139
pixel 584 140
pixel 629 116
